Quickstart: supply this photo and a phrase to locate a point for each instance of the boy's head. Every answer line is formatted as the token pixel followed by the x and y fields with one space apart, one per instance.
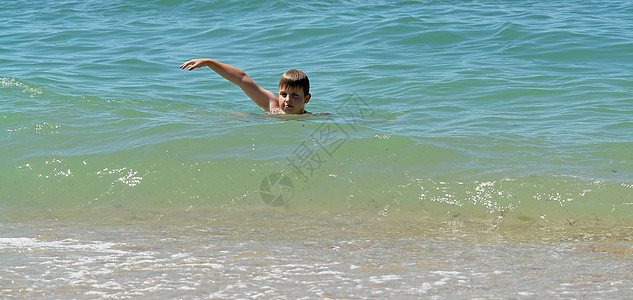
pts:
pixel 294 91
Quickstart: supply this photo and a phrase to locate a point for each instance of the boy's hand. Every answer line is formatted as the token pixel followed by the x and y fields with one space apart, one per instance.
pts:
pixel 263 98
pixel 194 64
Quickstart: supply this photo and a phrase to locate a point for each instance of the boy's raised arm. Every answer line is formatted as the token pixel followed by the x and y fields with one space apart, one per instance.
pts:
pixel 263 98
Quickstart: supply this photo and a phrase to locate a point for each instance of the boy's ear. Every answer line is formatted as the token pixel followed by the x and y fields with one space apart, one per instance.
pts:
pixel 307 97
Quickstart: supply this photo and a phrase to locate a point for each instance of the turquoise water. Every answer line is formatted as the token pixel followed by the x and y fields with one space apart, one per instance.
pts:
pixel 440 119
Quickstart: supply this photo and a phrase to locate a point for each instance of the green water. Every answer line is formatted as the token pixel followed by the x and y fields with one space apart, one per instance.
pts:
pixel 458 149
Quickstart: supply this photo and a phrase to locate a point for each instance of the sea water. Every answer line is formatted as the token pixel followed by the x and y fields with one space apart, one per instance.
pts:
pixel 457 149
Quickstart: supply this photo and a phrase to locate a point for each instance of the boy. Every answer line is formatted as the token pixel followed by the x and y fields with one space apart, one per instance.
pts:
pixel 294 87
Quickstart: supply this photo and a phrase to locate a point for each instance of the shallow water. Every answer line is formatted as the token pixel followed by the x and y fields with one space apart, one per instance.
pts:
pixel 132 260
pixel 464 146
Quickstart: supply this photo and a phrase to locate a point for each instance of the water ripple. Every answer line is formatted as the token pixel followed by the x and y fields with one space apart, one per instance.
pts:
pixel 543 74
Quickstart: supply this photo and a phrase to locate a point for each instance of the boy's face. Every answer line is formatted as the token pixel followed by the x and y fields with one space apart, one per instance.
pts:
pixel 292 100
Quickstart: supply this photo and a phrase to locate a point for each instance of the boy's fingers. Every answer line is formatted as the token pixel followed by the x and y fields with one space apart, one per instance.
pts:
pixel 187 64
pixel 193 65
